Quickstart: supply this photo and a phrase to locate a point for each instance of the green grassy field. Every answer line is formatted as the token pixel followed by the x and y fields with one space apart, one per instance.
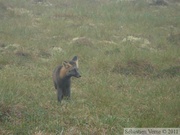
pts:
pixel 129 59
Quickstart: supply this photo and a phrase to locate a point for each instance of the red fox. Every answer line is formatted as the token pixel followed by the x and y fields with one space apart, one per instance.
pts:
pixel 62 77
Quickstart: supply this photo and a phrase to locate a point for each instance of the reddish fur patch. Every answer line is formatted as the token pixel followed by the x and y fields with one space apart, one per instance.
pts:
pixel 63 72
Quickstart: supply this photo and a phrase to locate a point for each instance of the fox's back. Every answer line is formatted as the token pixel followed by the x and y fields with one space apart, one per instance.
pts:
pixel 56 75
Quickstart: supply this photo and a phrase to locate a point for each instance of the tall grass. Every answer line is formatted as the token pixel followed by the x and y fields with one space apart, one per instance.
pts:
pixel 128 56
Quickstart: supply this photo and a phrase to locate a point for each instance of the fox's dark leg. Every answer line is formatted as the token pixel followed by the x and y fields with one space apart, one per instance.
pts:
pixel 55 85
pixel 59 94
pixel 67 92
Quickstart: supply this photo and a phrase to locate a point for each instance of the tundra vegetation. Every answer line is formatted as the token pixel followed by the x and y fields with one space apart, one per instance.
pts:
pixel 128 57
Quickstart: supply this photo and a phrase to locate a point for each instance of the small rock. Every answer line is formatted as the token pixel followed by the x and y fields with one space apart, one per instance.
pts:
pixel 82 41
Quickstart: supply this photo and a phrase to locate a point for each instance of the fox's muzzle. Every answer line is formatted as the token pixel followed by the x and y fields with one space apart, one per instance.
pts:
pixel 78 76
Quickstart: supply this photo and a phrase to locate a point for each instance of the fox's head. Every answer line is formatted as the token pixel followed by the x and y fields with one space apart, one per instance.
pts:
pixel 70 68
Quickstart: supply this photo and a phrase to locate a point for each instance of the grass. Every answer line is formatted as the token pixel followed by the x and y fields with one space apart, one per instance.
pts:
pixel 128 56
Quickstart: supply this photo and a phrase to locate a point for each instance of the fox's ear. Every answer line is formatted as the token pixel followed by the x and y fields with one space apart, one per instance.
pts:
pixel 77 65
pixel 75 58
pixel 65 64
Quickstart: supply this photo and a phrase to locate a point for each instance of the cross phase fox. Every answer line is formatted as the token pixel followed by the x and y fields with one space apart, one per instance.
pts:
pixel 62 77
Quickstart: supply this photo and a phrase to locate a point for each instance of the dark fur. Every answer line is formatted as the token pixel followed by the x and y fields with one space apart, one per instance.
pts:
pixel 62 78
